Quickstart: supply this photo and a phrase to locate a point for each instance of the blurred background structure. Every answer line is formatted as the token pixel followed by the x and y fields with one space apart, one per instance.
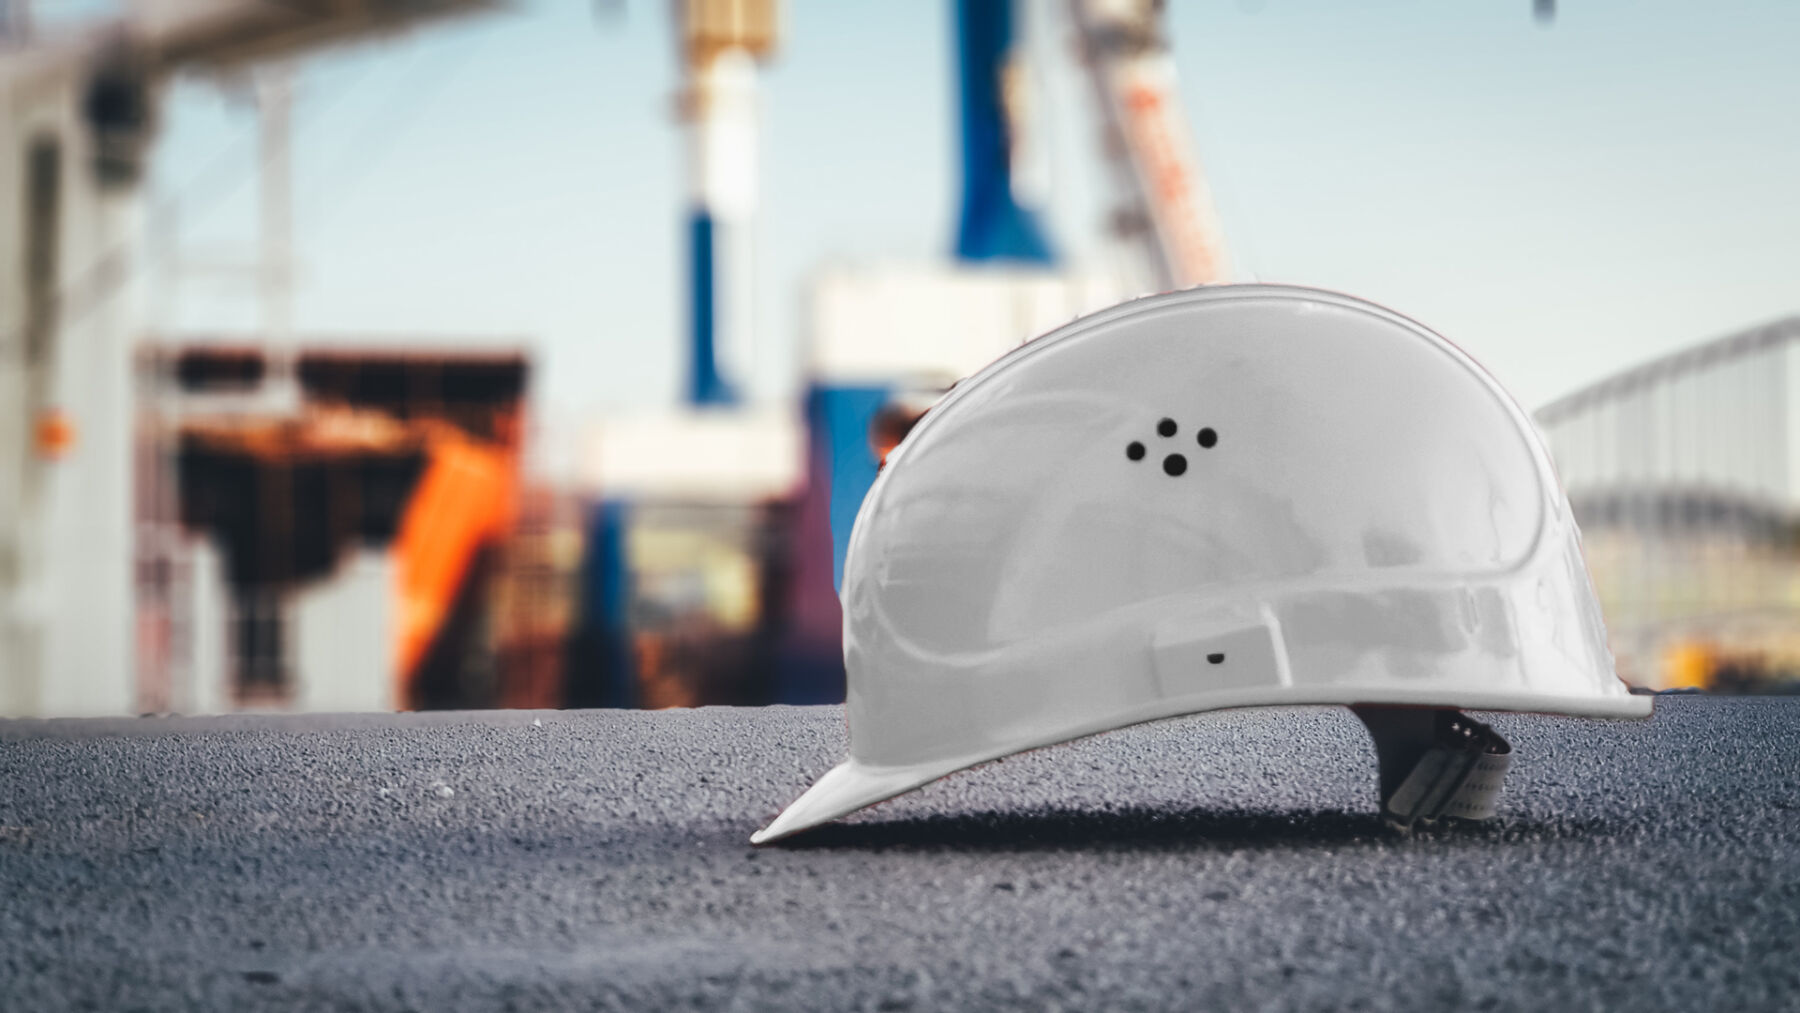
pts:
pixel 1685 475
pixel 370 354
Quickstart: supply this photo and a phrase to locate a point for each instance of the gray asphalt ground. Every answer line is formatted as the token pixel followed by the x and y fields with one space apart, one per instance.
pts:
pixel 584 860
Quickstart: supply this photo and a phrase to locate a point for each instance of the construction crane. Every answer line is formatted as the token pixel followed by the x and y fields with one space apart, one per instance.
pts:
pixel 721 43
pixel 1165 204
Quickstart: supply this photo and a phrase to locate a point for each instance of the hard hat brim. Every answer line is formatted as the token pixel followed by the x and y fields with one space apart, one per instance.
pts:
pixel 854 785
pixel 847 787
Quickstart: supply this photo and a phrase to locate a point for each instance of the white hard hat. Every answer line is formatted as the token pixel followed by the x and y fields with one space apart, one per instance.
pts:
pixel 1229 496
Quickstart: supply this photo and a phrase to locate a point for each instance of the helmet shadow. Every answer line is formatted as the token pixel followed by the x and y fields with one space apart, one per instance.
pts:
pixel 1131 827
pixel 1146 828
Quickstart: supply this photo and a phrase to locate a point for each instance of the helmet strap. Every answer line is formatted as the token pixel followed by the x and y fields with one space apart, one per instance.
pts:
pixel 1435 764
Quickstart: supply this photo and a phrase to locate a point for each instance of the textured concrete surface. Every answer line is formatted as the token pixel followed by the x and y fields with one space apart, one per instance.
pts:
pixel 599 860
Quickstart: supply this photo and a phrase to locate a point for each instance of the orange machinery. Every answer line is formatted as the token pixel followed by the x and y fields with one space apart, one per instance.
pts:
pixel 417 451
pixel 466 499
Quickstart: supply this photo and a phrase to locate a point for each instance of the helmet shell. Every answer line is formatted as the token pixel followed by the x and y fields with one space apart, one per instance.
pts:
pixel 1221 497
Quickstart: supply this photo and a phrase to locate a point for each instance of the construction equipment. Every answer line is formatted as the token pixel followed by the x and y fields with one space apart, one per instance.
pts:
pixel 1165 205
pixel 1229 496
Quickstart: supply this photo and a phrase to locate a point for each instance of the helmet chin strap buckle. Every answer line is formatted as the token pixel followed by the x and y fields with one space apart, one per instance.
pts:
pixel 1435 764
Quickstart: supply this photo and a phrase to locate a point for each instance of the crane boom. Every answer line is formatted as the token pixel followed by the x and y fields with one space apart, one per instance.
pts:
pixel 1167 204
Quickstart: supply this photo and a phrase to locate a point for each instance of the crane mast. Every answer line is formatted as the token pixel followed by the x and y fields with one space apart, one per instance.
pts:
pixel 1166 206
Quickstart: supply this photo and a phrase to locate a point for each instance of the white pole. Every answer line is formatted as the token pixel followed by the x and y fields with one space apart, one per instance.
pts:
pixel 275 95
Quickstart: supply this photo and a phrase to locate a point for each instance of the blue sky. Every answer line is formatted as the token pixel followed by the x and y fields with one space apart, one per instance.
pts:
pixel 1561 201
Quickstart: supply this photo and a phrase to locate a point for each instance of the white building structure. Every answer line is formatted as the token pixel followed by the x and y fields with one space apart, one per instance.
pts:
pixel 77 117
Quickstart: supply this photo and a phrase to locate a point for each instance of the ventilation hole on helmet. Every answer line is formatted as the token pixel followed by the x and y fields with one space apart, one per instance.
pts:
pixel 1135 451
pixel 1208 437
pixel 1174 464
pixel 1217 659
pixel 1166 427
